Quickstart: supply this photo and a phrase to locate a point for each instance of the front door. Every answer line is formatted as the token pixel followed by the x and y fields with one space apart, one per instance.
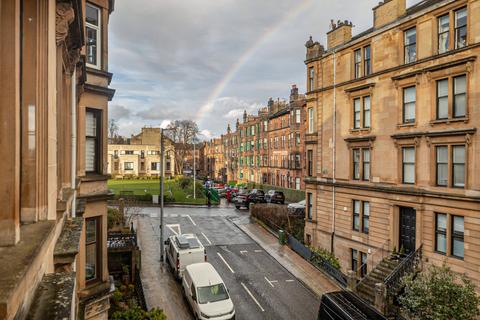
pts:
pixel 407 229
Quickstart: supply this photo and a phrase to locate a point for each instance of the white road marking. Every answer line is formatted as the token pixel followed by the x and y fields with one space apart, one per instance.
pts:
pixel 243 251
pixel 289 280
pixel 258 251
pixel 271 282
pixel 251 295
pixel 209 242
pixel 228 266
pixel 172 228
pixel 193 222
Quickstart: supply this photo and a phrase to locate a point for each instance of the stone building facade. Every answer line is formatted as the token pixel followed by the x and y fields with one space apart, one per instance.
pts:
pixel 141 157
pixel 394 142
pixel 267 148
pixel 54 110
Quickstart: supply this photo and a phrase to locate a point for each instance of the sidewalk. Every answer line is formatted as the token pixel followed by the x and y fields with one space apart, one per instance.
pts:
pixel 310 276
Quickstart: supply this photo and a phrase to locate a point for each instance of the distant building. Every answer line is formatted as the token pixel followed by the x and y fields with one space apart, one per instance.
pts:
pixel 267 148
pixel 141 157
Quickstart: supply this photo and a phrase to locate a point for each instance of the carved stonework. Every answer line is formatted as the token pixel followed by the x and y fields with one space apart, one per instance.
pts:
pixel 64 17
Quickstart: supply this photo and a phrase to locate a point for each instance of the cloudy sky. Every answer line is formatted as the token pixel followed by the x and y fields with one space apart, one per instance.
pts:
pixel 208 60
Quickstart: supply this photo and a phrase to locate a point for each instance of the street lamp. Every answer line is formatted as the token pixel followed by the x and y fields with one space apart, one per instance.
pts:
pixel 162 173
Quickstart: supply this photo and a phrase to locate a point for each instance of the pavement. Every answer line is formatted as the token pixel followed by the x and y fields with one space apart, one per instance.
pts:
pixel 266 280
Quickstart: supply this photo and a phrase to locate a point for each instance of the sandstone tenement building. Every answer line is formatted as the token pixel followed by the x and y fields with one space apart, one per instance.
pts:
pixel 54 110
pixel 267 148
pixel 395 147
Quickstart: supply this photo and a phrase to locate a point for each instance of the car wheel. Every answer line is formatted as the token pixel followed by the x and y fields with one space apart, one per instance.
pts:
pixel 238 207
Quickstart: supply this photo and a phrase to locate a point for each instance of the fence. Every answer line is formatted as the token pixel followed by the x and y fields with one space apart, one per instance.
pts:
pixel 317 261
pixel 139 290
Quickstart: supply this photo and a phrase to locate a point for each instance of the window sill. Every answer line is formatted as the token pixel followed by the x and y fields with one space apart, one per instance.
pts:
pixel 407 125
pixel 361 130
pixel 449 120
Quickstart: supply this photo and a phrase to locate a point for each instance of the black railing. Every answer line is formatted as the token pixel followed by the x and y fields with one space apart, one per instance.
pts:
pixel 393 282
pixel 120 240
pixel 139 290
pixel 321 263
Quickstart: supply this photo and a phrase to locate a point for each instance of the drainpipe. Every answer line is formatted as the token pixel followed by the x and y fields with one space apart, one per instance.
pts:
pixel 74 140
pixel 334 144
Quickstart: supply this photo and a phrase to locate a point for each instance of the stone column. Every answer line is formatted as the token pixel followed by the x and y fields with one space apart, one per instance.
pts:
pixel 380 297
pixel 10 122
pixel 351 280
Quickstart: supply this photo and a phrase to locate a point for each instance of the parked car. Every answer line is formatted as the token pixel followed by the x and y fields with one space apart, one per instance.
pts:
pixel 297 209
pixel 274 196
pixel 231 193
pixel 244 199
pixel 297 205
pixel 183 250
pixel 206 293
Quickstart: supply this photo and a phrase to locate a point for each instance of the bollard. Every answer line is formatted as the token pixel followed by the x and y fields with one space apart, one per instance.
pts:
pixel 281 237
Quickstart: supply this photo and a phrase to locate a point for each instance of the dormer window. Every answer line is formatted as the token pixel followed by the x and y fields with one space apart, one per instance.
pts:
pixel 93 28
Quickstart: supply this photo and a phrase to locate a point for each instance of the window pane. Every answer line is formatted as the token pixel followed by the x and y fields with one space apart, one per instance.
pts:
pixel 366 112
pixel 356 206
pixel 443 33
pixel 366 208
pixel 460 84
pixel 90 154
pixel 459 154
pixel 461 28
pixel 366 155
pixel 458 225
pixel 409 94
pixel 92 39
pixel 441 222
pixel 458 248
pixel 442 154
pixel 411 36
pixel 441 243
pixel 442 88
pixel 460 89
pixel 91 15
pixel 409 155
pixel 91 230
pixel 91 262
pixel 461 17
pixel 90 124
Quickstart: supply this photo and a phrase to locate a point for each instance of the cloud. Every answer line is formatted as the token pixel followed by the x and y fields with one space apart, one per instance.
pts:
pixel 169 56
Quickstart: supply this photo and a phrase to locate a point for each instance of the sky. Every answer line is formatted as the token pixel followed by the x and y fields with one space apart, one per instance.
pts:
pixel 209 60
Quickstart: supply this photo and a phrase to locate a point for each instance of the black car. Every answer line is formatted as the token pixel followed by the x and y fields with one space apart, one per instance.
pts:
pixel 244 199
pixel 274 196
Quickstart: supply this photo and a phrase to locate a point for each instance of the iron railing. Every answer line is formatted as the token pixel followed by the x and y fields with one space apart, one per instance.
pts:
pixel 120 240
pixel 393 282
pixel 139 290
pixel 320 263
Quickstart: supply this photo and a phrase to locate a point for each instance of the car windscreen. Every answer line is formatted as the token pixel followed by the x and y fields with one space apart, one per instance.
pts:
pixel 260 192
pixel 214 293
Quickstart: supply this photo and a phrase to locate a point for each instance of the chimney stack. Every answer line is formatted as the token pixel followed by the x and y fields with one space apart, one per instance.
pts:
pixel 388 11
pixel 340 33
pixel 294 93
pixel 245 116
pixel 237 124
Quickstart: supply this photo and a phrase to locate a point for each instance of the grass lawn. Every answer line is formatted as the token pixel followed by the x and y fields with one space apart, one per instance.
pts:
pixel 143 187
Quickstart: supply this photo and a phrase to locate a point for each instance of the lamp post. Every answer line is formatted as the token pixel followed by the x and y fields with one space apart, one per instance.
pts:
pixel 194 170
pixel 161 196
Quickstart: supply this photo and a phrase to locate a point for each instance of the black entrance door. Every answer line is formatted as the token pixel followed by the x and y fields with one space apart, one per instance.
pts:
pixel 407 229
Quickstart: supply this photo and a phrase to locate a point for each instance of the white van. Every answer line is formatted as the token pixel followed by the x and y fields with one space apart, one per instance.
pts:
pixel 206 292
pixel 182 250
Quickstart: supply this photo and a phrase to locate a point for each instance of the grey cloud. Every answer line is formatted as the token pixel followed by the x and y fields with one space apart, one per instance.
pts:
pixel 168 56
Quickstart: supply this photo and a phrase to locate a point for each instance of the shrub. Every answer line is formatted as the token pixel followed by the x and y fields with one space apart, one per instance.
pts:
pixel 184 182
pixel 439 294
pixel 326 255
pixel 136 313
pixel 114 218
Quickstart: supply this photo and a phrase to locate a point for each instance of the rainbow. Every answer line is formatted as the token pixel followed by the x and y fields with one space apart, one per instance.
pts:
pixel 220 86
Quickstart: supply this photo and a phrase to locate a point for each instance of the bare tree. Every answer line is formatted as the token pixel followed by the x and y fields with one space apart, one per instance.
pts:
pixel 112 129
pixel 183 134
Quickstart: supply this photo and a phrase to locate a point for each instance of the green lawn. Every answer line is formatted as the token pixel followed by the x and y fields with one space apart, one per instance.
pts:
pixel 172 190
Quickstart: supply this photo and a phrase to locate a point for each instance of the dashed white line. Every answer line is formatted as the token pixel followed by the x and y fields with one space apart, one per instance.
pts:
pixel 243 251
pixel 258 251
pixel 228 266
pixel 193 222
pixel 289 280
pixel 251 296
pixel 209 242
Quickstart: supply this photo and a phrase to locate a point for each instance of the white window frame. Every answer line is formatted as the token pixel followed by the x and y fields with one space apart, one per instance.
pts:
pixel 311 122
pixel 98 29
